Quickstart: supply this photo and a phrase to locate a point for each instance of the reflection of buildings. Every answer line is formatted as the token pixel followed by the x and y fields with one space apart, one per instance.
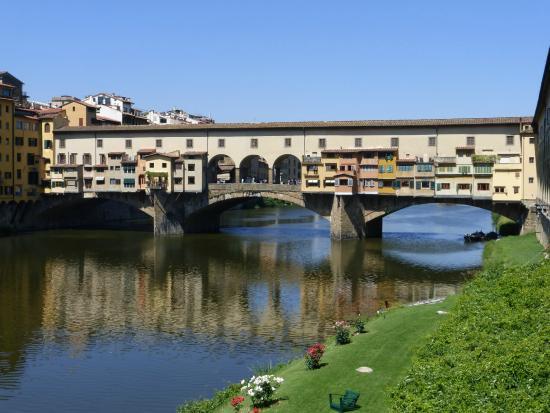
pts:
pixel 84 289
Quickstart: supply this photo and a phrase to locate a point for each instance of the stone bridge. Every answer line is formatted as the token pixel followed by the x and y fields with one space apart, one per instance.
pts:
pixel 356 216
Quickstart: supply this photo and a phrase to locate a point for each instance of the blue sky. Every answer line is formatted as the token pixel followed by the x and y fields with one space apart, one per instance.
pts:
pixel 285 60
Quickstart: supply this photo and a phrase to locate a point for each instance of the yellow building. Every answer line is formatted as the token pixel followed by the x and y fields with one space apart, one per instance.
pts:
pixel 387 164
pixel 50 119
pixel 27 155
pixel 80 113
pixel 6 137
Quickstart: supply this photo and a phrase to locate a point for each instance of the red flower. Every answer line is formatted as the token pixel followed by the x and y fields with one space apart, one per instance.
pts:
pixel 256 410
pixel 235 401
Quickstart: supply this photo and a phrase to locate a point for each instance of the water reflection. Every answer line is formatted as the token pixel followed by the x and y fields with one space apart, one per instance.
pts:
pixel 83 311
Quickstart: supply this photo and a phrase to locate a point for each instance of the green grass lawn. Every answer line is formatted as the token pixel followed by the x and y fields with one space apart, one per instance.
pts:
pixel 513 250
pixel 387 348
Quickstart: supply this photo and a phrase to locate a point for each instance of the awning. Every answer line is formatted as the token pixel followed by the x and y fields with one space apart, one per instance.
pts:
pixel 312 181
pixel 100 178
pixel 225 177
pixel 129 181
pixel 329 181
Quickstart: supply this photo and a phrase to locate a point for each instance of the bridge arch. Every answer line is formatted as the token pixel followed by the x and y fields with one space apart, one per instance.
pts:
pixel 286 168
pixel 221 168
pixel 253 169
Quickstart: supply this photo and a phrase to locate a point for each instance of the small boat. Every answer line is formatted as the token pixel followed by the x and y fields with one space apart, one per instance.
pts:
pixel 474 237
pixel 479 236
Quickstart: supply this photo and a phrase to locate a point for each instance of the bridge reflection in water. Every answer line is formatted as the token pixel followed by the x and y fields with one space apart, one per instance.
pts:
pixel 238 298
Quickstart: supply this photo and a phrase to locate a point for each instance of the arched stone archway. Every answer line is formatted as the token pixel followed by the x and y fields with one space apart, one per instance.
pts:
pixel 286 169
pixel 222 169
pixel 254 169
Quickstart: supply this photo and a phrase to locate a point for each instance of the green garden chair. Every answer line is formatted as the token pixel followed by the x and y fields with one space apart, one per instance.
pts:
pixel 344 402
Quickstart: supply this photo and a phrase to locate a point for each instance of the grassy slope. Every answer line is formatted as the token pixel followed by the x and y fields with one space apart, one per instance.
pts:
pixel 387 348
pixel 491 354
pixel 508 251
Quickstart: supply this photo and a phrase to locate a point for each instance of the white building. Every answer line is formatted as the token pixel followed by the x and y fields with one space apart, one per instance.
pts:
pixel 115 108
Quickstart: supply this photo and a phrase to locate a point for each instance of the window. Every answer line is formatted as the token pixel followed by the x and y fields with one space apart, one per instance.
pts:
pixel 47 127
pixel 470 141
pixel 425 184
pixel 424 167
pixel 253 143
pixel 74 108
pixel 128 144
pixel 531 140
pixel 381 169
pixel 18 157
pixel 114 181
pixel 516 189
pixel 509 140
pixel 191 167
pixel 87 159
pixel 178 181
pixel 322 143
pixel 129 183
pixel 499 189
pixel 102 159
pixel 30 159
pixel 129 169
pixel 18 124
pixel 18 141
pixel 358 142
pixel 463 187
pixel 80 122
pixel 158 143
pixel 191 180
pixel 464 170
pixel 482 186
pixel 431 141
pixel 164 165
pixel 394 142
pixel 100 143
pixel 48 144
pixel 404 168
pixel 288 142
pixel 221 143
pixel 389 169
pixel 445 186
pixel 517 174
pixel 482 169
pixel 151 164
pixel 531 180
pixel 531 159
pixel 18 174
pixel 189 143
pixel 33 142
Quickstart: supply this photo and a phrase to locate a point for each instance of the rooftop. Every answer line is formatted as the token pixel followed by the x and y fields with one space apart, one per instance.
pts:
pixel 310 124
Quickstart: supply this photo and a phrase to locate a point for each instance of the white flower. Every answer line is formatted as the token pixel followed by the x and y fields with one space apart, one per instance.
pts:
pixel 242 381
pixel 251 392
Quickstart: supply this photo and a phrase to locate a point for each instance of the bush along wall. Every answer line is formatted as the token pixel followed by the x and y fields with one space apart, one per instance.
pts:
pixel 492 353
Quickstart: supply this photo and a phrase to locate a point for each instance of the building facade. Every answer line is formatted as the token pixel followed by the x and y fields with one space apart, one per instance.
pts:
pixel 541 125
pixel 440 158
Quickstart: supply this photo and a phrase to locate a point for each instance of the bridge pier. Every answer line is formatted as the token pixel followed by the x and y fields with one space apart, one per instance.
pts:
pixel 347 218
pixel 374 228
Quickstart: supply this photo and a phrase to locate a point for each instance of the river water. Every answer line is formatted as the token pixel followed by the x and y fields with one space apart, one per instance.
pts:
pixel 107 321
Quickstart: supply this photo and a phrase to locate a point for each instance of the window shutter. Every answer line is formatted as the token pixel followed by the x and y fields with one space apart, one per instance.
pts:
pixel 432 185
pixel 418 184
pixel 439 187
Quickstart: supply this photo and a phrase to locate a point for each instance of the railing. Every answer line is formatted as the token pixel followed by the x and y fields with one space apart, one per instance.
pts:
pixel 254 187
pixel 445 159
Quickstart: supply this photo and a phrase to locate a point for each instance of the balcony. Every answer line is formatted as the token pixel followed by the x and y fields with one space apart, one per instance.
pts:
pixel 368 173
pixel 445 159
pixel 311 160
pixel 369 161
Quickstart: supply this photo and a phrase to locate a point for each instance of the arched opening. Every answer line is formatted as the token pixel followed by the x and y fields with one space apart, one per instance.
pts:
pixel 221 169
pixel 254 169
pixel 287 169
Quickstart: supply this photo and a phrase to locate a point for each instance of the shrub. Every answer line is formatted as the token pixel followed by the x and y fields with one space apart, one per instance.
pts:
pixel 359 325
pixel 343 335
pixel 313 356
pixel 209 405
pixel 236 402
pixel 491 354
pixel 261 389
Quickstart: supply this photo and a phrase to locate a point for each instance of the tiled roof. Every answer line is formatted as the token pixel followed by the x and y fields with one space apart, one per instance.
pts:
pixel 310 124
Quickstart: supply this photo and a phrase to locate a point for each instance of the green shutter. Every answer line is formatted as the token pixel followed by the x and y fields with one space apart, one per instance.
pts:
pixel 418 185
pixel 439 187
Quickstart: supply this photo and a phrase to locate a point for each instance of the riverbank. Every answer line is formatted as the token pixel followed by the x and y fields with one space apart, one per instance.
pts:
pixel 491 354
pixel 392 341
pixel 387 348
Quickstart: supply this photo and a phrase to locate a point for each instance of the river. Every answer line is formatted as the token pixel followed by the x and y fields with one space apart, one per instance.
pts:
pixel 112 321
